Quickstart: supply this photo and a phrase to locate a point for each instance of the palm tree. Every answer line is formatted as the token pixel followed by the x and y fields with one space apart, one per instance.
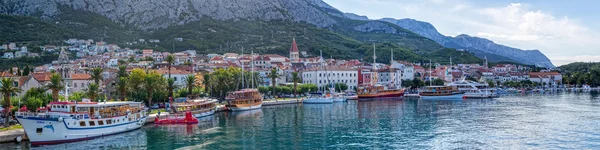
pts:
pixel 122 71
pixel 274 76
pixel 296 78
pixel 92 91
pixel 170 59
pixel 8 90
pixel 150 84
pixel 55 85
pixel 97 75
pixel 170 86
pixel 122 86
pixel 189 82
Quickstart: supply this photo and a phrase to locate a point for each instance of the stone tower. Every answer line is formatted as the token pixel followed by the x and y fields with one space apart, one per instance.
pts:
pixel 294 54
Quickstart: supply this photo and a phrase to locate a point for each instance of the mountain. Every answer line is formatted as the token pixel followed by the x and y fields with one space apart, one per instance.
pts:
pixel 479 46
pixel 216 26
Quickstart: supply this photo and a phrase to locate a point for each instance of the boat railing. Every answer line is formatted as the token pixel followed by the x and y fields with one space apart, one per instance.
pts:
pixel 40 115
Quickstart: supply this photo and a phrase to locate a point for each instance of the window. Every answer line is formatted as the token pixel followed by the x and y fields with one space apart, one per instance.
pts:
pixel 82 123
pixel 108 121
pixel 92 123
pixel 100 122
pixel 82 85
pixel 38 130
pixel 75 85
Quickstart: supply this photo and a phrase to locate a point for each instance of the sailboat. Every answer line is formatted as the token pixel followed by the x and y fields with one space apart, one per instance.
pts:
pixel 318 97
pixel 246 98
pixel 374 90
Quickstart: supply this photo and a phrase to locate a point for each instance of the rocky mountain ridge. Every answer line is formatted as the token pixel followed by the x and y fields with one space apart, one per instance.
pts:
pixel 480 46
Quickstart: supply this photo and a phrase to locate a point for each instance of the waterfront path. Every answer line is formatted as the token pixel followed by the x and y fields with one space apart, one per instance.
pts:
pixel 10 135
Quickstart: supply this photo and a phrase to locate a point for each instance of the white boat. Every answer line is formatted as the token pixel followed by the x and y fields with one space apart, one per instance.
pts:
pixel 317 98
pixel 455 96
pixel 441 93
pixel 63 122
pixel 473 89
pixel 339 99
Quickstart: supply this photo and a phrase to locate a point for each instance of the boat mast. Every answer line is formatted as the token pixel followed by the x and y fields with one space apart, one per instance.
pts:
pixel 430 72
pixel 243 79
pixel 252 66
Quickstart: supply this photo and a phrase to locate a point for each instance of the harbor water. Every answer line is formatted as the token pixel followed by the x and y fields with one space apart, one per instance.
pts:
pixel 534 121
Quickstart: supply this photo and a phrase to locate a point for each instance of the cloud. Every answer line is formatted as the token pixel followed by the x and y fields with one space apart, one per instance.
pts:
pixel 516 25
pixel 562 60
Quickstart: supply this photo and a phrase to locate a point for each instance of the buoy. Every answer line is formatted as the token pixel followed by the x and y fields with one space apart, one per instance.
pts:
pixel 18 139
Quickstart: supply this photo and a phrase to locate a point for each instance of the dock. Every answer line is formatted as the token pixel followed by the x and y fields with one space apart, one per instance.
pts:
pixel 10 135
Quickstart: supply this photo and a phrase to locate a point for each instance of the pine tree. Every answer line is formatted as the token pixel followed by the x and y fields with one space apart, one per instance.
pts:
pixel 26 70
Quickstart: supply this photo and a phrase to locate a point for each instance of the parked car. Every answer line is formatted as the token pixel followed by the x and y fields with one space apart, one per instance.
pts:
pixel 155 106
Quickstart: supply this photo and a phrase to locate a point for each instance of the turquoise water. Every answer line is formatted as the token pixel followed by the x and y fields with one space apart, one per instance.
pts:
pixel 551 121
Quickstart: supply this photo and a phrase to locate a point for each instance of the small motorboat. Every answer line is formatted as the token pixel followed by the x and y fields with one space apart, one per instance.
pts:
pixel 188 118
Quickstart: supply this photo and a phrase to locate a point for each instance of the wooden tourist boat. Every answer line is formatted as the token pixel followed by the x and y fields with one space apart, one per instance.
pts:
pixel 245 99
pixel 76 121
pixel 199 108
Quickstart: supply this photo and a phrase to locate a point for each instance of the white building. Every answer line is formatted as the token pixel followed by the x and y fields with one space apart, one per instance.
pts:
pixel 8 55
pixel 331 75
pixel 178 76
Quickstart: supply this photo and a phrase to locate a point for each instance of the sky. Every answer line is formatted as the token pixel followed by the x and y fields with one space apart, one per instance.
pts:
pixel 565 31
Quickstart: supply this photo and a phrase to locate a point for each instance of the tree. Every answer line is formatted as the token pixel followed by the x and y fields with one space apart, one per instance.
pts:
pixel 19 72
pixel 92 91
pixel 274 76
pixel 122 87
pixel 438 81
pixel 10 70
pixel 190 80
pixel 55 85
pixel 122 71
pixel 151 82
pixel 148 58
pixel 263 89
pixel 97 75
pixel 170 59
pixel 296 78
pixel 26 70
pixel 491 83
pixel 7 90
pixel 170 86
pixel 135 80
pixel 418 82
pixel 341 87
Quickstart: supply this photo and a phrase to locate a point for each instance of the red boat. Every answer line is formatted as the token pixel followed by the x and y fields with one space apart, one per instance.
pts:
pixel 177 119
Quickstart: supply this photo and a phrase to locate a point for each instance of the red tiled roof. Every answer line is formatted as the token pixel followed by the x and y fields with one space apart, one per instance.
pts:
pixel 294 47
pixel 42 76
pixel 81 76
pixel 7 74
pixel 216 58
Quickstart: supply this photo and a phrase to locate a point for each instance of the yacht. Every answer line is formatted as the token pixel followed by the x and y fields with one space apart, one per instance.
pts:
pixel 63 122
pixel 317 98
pixel 441 93
pixel 474 89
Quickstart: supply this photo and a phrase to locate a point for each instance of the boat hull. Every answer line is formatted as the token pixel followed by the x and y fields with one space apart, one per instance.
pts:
pixel 48 132
pixel 317 101
pixel 382 95
pixel 244 108
pixel 339 99
pixel 204 114
pixel 443 97
pixel 355 97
